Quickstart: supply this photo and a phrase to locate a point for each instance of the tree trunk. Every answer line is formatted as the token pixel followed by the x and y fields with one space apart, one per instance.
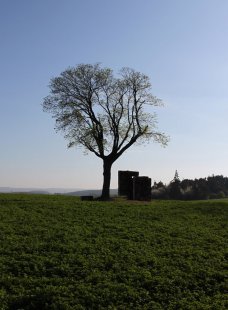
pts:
pixel 107 165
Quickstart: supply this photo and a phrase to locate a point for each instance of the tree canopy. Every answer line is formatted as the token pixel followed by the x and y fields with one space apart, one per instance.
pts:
pixel 102 113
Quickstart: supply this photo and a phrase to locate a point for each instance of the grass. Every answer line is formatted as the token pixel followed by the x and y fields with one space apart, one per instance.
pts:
pixel 60 253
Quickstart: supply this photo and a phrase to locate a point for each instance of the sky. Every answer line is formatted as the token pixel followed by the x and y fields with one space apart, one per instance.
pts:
pixel 182 45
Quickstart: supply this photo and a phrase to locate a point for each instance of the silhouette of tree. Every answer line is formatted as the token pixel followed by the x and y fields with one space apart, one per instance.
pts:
pixel 176 177
pixel 103 114
pixel 174 187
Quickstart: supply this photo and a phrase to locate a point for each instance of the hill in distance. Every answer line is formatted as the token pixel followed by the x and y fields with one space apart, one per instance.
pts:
pixel 92 192
pixel 32 190
pixel 63 191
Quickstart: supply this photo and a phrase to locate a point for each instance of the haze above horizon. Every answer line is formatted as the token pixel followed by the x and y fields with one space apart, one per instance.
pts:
pixel 181 45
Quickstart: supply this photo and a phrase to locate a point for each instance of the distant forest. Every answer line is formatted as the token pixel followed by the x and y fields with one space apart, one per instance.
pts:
pixel 212 187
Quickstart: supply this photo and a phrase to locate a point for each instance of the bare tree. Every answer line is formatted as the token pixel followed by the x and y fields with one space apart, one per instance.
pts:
pixel 104 114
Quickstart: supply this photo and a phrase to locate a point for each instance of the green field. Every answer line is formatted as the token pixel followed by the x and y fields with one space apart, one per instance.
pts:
pixel 60 253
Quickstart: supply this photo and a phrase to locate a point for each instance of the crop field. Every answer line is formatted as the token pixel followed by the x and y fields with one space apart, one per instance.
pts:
pixel 57 252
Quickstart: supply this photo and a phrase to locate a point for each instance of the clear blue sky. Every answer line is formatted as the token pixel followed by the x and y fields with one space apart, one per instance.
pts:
pixel 182 45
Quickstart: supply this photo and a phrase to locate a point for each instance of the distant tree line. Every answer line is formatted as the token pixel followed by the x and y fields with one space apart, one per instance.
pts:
pixel 212 187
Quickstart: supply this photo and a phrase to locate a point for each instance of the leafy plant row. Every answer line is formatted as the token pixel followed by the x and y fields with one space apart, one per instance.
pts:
pixel 60 253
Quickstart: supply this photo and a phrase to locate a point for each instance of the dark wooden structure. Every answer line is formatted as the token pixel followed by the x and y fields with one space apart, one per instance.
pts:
pixel 125 185
pixel 133 186
pixel 86 198
pixel 141 188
